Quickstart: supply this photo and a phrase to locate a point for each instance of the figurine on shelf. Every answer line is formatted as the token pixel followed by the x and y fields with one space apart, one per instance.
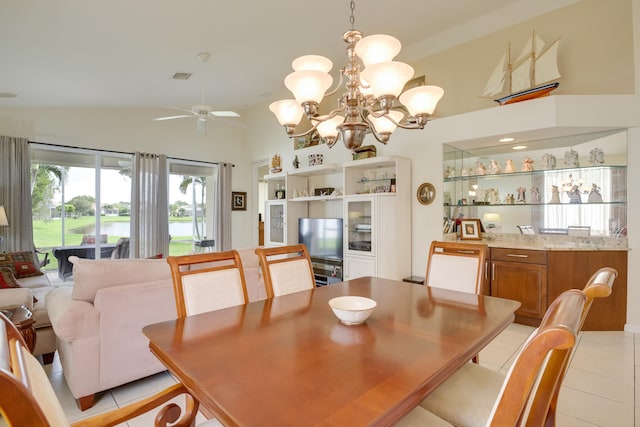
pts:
pixel 555 194
pixel 548 161
pixel 275 164
pixel 464 172
pixel 509 167
pixel 571 159
pixel 509 200
pixel 527 165
pixel 594 194
pixel 494 167
pixel 535 195
pixel 480 168
pixel 521 194
pixel 492 195
pixel 574 195
pixel 296 162
pixel 596 156
pixel 448 172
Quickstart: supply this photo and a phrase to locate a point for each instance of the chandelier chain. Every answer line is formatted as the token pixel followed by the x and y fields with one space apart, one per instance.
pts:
pixel 352 19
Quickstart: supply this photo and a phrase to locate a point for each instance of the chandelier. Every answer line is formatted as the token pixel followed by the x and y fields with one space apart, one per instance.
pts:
pixel 373 83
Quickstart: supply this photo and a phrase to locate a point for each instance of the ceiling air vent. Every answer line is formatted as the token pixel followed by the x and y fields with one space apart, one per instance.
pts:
pixel 181 76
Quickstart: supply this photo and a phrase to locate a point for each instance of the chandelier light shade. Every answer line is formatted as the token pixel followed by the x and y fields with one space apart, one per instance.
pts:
pixel 373 83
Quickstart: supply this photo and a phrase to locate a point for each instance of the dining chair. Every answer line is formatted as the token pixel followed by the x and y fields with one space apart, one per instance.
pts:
pixel 456 266
pixel 286 269
pixel 528 394
pixel 27 398
pixel 207 281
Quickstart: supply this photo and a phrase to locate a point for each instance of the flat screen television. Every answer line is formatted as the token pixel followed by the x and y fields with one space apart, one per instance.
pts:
pixel 321 236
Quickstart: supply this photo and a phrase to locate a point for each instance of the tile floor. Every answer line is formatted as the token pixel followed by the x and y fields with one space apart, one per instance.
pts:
pixel 599 390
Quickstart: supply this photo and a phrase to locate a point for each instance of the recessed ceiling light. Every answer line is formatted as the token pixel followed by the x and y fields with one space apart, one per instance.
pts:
pixel 518 147
pixel 506 139
pixel 7 95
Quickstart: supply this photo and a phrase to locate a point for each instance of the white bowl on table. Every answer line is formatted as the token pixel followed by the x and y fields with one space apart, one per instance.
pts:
pixel 352 310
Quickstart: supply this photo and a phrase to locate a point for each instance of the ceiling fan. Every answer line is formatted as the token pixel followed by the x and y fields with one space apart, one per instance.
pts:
pixel 201 111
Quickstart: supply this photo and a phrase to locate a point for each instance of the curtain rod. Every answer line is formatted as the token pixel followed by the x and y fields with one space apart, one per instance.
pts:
pixel 123 152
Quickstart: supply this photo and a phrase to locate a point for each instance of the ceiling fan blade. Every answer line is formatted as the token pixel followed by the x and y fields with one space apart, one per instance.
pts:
pixel 225 114
pixel 158 119
pixel 186 110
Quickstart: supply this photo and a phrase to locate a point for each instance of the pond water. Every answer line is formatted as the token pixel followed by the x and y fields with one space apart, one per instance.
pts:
pixel 122 229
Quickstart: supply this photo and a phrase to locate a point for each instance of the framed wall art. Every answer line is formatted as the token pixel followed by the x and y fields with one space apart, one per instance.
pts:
pixel 470 229
pixel 238 201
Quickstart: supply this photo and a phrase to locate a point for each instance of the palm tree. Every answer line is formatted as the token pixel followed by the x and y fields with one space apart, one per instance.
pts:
pixel 201 181
pixel 45 181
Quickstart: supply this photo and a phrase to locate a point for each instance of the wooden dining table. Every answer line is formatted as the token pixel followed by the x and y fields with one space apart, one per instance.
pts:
pixel 288 361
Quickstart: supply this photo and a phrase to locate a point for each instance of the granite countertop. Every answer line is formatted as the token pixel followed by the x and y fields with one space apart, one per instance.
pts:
pixel 548 242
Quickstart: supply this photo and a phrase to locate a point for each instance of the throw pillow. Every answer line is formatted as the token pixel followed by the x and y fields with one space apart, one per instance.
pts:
pixel 21 263
pixel 8 280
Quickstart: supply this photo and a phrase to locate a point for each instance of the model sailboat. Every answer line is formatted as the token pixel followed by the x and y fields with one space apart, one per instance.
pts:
pixel 527 75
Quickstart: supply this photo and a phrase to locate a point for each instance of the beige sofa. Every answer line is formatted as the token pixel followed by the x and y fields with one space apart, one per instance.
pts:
pixel 38 286
pixel 98 322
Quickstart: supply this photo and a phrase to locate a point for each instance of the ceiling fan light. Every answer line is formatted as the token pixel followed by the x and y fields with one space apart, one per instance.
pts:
pixel 422 99
pixel 384 125
pixel 308 85
pixel 312 62
pixel 287 111
pixel 387 78
pixel 377 48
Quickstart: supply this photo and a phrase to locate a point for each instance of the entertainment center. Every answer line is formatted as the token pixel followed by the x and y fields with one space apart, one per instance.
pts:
pixel 370 199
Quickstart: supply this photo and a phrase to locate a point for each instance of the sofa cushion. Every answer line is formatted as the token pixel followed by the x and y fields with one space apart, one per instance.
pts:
pixel 90 275
pixel 22 264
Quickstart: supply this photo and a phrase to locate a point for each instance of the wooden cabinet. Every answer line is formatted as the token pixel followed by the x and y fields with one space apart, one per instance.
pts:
pixel 521 275
pixel 536 277
pixel 572 269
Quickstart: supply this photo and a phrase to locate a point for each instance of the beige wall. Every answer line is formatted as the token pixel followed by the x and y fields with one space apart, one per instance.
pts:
pixel 596 57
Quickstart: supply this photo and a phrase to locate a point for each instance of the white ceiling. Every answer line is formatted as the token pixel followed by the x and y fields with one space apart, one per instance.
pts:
pixel 123 53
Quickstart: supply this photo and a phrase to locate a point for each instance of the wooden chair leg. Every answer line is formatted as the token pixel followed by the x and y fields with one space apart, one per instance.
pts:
pixel 47 358
pixel 476 359
pixel 86 402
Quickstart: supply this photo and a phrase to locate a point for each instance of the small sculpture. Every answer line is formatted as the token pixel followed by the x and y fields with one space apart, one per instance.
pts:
pixel 555 194
pixel 464 172
pixel 509 200
pixel 574 195
pixel 446 173
pixel 571 159
pixel 480 168
pixel 596 156
pixel 275 164
pixel 296 162
pixel 527 165
pixel 521 194
pixel 509 167
pixel 494 167
pixel 594 194
pixel 548 161
pixel 493 196
pixel 535 195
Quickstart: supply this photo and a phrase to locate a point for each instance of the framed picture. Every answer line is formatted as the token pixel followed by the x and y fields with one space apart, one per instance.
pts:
pixel 426 193
pixel 470 229
pixel 238 201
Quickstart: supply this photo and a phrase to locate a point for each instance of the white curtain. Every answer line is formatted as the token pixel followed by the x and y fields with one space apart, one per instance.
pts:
pixel 15 193
pixel 223 207
pixel 149 206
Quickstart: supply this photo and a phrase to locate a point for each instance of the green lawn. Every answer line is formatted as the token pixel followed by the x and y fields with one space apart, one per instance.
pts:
pixel 47 235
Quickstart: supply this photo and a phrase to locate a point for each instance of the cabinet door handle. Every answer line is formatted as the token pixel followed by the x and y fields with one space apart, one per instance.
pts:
pixel 518 255
pixel 486 270
pixel 461 251
pixel 493 271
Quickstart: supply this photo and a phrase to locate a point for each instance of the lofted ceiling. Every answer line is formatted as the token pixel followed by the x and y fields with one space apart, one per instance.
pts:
pixel 122 53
